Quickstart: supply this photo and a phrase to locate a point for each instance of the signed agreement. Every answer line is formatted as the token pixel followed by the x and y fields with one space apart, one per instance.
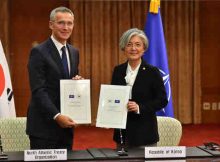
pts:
pixel 112 109
pixel 75 100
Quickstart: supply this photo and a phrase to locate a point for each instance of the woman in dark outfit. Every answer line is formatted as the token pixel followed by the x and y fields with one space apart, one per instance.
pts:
pixel 148 93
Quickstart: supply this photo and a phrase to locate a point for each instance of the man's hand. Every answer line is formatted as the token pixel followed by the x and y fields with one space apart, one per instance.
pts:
pixel 77 77
pixel 65 121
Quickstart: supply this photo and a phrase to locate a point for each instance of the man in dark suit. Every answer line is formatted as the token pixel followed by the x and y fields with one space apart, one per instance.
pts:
pixel 148 93
pixel 50 62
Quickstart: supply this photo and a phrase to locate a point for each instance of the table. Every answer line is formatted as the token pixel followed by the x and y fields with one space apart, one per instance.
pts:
pixel 194 154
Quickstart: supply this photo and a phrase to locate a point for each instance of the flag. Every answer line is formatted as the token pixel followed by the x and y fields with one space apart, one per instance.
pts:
pixel 156 54
pixel 7 107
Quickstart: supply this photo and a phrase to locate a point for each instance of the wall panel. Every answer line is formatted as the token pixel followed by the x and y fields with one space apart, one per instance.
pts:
pixel 98 27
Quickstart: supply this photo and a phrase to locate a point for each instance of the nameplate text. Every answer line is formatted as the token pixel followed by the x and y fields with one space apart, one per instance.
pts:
pixel 165 152
pixel 45 155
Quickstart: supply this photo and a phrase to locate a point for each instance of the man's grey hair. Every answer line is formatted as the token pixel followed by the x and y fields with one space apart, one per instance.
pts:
pixel 125 38
pixel 59 9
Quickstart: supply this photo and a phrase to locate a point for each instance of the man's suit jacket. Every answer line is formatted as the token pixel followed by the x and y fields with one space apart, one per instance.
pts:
pixel 45 72
pixel 149 93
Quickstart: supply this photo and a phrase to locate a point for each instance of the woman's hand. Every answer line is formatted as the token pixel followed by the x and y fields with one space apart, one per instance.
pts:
pixel 132 106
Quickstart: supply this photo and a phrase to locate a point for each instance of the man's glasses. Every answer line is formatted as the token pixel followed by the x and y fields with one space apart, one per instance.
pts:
pixel 63 23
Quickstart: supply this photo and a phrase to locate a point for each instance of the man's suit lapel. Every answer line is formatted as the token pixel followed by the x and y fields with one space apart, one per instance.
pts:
pixel 55 56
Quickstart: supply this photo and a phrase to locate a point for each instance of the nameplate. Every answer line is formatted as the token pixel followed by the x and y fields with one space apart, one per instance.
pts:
pixel 165 152
pixel 45 155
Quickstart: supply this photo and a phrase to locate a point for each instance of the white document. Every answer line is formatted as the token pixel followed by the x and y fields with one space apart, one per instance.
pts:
pixel 112 109
pixel 75 100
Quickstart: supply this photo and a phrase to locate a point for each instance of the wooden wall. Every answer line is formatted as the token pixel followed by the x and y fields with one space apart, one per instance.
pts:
pixel 25 23
pixel 25 31
pixel 210 60
pixel 99 25
pixel 29 22
pixel 4 26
